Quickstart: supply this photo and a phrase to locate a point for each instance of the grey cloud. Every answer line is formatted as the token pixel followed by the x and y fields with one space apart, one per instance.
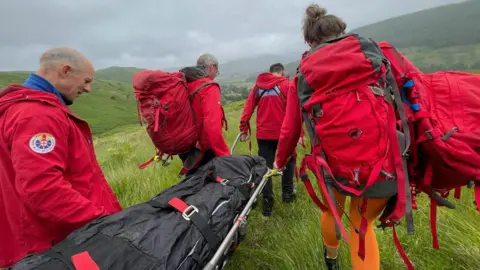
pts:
pixel 160 34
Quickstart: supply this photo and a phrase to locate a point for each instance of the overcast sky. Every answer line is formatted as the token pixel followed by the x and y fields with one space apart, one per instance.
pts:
pixel 166 33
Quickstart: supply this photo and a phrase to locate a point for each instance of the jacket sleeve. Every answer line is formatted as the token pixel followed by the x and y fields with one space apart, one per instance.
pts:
pixel 291 127
pixel 248 110
pixel 39 168
pixel 212 117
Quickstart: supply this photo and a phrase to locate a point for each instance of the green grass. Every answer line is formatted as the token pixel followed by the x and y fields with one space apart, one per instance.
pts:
pixel 121 74
pixel 291 238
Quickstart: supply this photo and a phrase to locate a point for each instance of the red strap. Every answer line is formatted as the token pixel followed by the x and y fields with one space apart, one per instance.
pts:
pixel 145 164
pixel 401 251
pixel 413 190
pixel 427 177
pixel 363 230
pixel 433 223
pixel 311 162
pixel 311 192
pixel 83 261
pixel 477 195
pixel 184 170
pixel 396 157
pixel 138 113
pixel 458 193
pixel 178 204
pixel 371 179
pixel 157 115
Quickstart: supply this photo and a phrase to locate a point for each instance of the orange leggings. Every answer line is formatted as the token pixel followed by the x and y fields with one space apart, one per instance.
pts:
pixel 374 209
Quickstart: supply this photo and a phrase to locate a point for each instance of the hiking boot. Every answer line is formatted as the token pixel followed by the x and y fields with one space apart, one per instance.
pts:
pixel 267 206
pixel 332 264
pixel 289 197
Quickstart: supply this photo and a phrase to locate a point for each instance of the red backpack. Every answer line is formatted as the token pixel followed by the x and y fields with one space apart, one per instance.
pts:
pixel 164 104
pixel 345 90
pixel 443 110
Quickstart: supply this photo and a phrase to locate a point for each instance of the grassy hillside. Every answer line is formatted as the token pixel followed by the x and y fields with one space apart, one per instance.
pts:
pixel 445 37
pixel 110 105
pixel 444 26
pixel 121 74
pixel 291 238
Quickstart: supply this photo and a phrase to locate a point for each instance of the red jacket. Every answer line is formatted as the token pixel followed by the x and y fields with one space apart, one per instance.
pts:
pixel 291 129
pixel 210 116
pixel 50 181
pixel 271 106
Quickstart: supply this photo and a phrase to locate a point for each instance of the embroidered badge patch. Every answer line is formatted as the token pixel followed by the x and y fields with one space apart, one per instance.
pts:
pixel 42 143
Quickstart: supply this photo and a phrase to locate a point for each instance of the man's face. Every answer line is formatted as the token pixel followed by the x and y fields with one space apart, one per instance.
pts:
pixel 75 81
pixel 213 71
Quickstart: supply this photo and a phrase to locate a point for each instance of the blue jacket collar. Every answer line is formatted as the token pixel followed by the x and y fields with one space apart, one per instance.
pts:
pixel 37 82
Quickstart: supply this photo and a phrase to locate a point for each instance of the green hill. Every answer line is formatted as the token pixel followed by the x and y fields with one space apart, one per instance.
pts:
pixel 444 26
pixel 445 37
pixel 111 104
pixel 121 74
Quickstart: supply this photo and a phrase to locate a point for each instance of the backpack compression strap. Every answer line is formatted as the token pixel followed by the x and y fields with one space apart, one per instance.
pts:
pixel 190 212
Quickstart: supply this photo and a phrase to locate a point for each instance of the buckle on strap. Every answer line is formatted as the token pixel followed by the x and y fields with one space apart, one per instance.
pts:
pixel 221 180
pixel 187 213
pixel 429 135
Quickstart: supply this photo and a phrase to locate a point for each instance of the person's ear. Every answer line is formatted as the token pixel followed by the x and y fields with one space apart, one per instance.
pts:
pixel 65 71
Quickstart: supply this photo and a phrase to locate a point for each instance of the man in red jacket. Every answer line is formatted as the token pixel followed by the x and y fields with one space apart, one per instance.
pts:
pixel 269 94
pixel 50 181
pixel 208 110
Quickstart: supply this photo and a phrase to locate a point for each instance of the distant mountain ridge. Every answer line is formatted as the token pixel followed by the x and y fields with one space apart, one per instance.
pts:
pixel 230 70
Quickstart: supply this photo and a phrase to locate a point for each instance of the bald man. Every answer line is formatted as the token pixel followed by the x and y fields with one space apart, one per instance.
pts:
pixel 50 181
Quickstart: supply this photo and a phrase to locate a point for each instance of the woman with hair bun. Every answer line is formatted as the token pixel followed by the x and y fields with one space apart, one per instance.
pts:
pixel 342 96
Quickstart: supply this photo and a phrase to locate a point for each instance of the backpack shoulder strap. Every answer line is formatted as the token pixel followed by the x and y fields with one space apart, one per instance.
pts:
pixel 259 96
pixel 200 88
pixel 282 96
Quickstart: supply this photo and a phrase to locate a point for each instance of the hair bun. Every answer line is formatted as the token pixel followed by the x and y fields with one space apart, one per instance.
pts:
pixel 315 12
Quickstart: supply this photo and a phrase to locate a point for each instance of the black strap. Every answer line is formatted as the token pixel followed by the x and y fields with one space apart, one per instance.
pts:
pixel 200 88
pixel 282 96
pixel 245 190
pixel 59 256
pixel 197 220
pixel 205 230
pixel 276 89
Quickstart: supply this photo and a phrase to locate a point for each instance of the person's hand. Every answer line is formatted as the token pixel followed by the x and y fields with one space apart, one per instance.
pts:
pixel 244 137
pixel 300 141
pixel 275 166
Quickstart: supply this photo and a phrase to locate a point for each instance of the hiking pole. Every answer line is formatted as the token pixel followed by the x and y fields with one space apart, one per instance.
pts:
pixel 235 142
pixel 211 265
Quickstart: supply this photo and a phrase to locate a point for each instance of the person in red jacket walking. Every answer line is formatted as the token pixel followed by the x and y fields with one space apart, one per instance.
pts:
pixel 50 181
pixel 269 94
pixel 208 110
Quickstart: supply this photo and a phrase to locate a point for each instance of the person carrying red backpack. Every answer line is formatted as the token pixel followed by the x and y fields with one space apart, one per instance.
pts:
pixel 207 107
pixel 269 95
pixel 183 112
pixel 344 97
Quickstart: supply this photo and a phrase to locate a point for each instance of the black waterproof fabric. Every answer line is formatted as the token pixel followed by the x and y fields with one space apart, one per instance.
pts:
pixel 154 235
